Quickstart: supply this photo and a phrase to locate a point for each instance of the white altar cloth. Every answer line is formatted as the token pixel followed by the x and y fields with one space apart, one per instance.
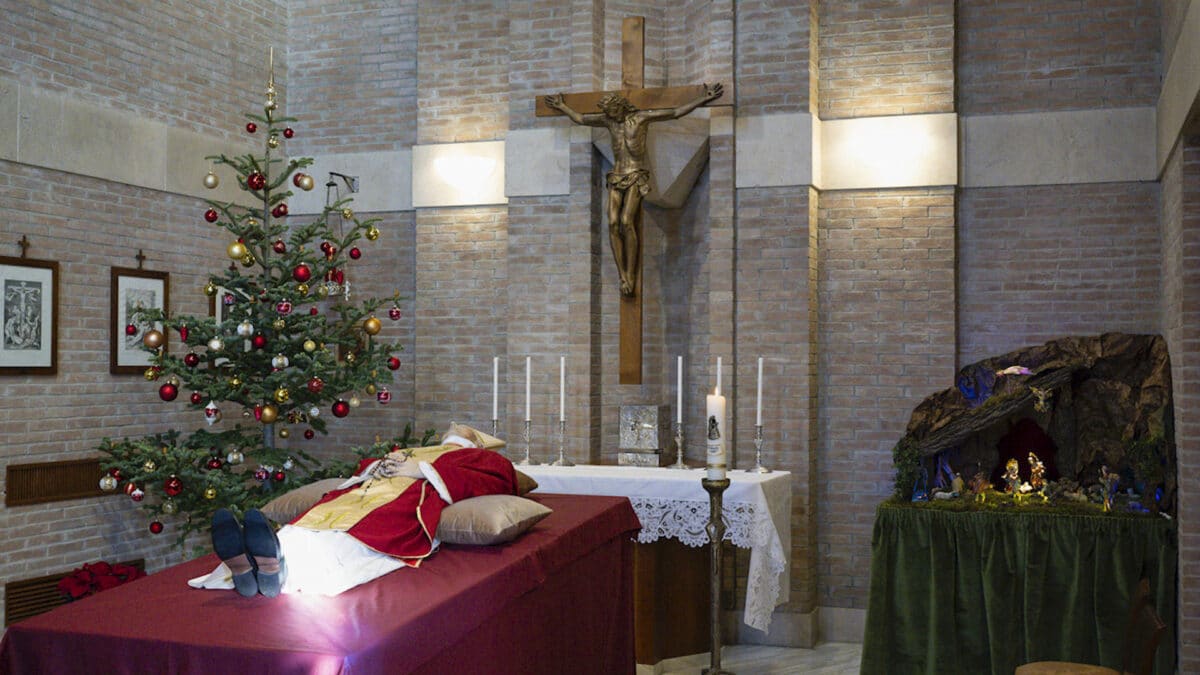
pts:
pixel 672 504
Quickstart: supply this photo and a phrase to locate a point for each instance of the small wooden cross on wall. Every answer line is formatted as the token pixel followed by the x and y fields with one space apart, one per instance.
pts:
pixel 24 244
pixel 630 172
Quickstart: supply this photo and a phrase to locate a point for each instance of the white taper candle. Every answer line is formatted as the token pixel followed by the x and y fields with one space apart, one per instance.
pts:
pixel 495 387
pixel 679 389
pixel 562 388
pixel 527 417
pixel 758 412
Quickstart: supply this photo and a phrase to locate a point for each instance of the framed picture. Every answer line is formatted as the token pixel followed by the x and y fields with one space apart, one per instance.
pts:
pixel 220 305
pixel 29 310
pixel 134 290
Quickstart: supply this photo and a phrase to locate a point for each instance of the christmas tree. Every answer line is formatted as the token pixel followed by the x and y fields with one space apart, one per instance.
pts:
pixel 285 346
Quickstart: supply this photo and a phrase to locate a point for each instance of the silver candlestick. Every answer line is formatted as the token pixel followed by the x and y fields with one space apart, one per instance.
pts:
pixel 526 461
pixel 758 441
pixel 562 441
pixel 716 534
pixel 495 428
pixel 679 448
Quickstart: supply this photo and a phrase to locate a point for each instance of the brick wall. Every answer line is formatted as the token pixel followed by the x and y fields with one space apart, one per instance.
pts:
pixel 1038 263
pixel 539 58
pixel 772 57
pixel 352 69
pixel 893 58
pixel 460 305
pixel 886 330
pixel 1180 289
pixel 774 294
pixel 194 66
pixel 462 66
pixel 1057 55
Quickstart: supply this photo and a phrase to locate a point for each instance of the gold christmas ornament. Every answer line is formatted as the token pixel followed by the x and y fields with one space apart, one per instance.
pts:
pixel 153 339
pixel 370 389
pixel 269 106
pixel 350 357
pixel 372 233
pixel 252 222
pixel 236 250
pixel 284 433
pixel 211 180
pixel 235 382
pixel 310 346
pixel 169 507
pixel 282 395
pixel 210 493
pixel 210 289
pixel 149 466
pixel 354 402
pixel 372 326
pixel 302 289
pixel 248 259
pixel 151 374
pixel 269 414
pixel 348 214
pixel 272 142
pixel 279 324
pixel 322 291
pixel 306 182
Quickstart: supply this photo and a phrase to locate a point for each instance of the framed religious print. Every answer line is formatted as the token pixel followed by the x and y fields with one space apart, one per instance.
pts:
pixel 134 290
pixel 29 310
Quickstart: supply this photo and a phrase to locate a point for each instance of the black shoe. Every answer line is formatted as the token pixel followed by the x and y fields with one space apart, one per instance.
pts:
pixel 231 549
pixel 263 545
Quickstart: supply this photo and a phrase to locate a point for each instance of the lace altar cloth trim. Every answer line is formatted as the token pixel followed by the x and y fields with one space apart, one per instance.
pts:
pixel 745 527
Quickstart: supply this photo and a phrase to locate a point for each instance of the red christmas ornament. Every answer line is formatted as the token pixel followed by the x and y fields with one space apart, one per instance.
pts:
pixel 279 476
pixel 341 408
pixel 256 181
pixel 297 178
pixel 288 133
pixel 259 341
pixel 183 332
pixel 130 329
pixel 339 277
pixel 115 473
pixel 394 313
pixel 261 474
pixel 284 307
pixel 213 464
pixel 251 127
pixel 302 273
pixel 173 486
pixel 156 527
pixel 393 363
pixel 315 385
pixel 258 412
pixel 197 399
pixel 130 487
pixel 330 252
pixel 355 254
pixel 279 247
pixel 191 360
pixel 280 210
pixel 312 311
pixel 325 246
pixel 211 215
pixel 168 392
pixel 384 397
pixel 308 434
pixel 137 495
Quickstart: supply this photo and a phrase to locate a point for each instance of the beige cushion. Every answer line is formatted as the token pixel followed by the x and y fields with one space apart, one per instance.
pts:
pixel 475 436
pixel 1062 668
pixel 489 519
pixel 292 503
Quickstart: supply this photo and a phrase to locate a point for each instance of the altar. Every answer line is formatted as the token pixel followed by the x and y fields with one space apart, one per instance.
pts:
pixel 672 504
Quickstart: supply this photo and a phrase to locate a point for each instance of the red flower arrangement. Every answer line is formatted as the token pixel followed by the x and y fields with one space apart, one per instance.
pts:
pixel 95 577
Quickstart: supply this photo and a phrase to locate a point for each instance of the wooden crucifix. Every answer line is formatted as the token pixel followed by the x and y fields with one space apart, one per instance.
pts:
pixel 626 114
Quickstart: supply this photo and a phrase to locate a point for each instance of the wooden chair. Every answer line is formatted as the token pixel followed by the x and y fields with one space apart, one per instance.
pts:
pixel 1142 636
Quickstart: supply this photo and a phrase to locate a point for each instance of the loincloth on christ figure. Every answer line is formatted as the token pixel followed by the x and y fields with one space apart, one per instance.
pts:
pixel 638 177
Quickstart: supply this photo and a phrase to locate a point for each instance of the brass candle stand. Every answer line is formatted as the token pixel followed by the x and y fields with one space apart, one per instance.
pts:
pixel 716 534
pixel 679 448
pixel 526 461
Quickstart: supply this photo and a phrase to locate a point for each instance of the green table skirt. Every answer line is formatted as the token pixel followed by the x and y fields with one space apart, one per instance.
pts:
pixel 980 592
